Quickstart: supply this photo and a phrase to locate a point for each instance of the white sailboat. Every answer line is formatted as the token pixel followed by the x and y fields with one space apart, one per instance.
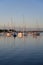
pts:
pixel 9 33
pixel 20 34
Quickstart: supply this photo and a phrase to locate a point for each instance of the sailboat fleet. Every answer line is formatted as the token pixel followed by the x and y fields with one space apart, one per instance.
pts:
pixel 19 34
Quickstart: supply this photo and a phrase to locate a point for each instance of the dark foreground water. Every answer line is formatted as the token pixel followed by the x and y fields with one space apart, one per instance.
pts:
pixel 21 51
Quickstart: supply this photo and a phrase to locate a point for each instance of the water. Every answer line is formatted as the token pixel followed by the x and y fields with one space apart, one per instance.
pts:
pixel 21 51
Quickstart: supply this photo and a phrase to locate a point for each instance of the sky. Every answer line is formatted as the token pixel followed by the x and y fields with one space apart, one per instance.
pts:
pixel 21 12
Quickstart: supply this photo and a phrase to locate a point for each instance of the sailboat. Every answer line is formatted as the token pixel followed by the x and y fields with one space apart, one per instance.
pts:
pixel 37 33
pixel 9 33
pixel 24 29
pixel 15 34
pixel 20 34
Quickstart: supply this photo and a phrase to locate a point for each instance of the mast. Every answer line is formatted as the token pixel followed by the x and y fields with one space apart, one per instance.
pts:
pixel 37 25
pixel 23 23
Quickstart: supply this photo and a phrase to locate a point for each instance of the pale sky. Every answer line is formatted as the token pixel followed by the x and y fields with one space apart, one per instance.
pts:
pixel 17 10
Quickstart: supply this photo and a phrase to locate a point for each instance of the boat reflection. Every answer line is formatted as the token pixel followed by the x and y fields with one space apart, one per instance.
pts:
pixel 1 34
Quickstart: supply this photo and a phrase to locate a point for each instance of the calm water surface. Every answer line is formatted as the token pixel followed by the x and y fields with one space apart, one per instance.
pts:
pixel 21 51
